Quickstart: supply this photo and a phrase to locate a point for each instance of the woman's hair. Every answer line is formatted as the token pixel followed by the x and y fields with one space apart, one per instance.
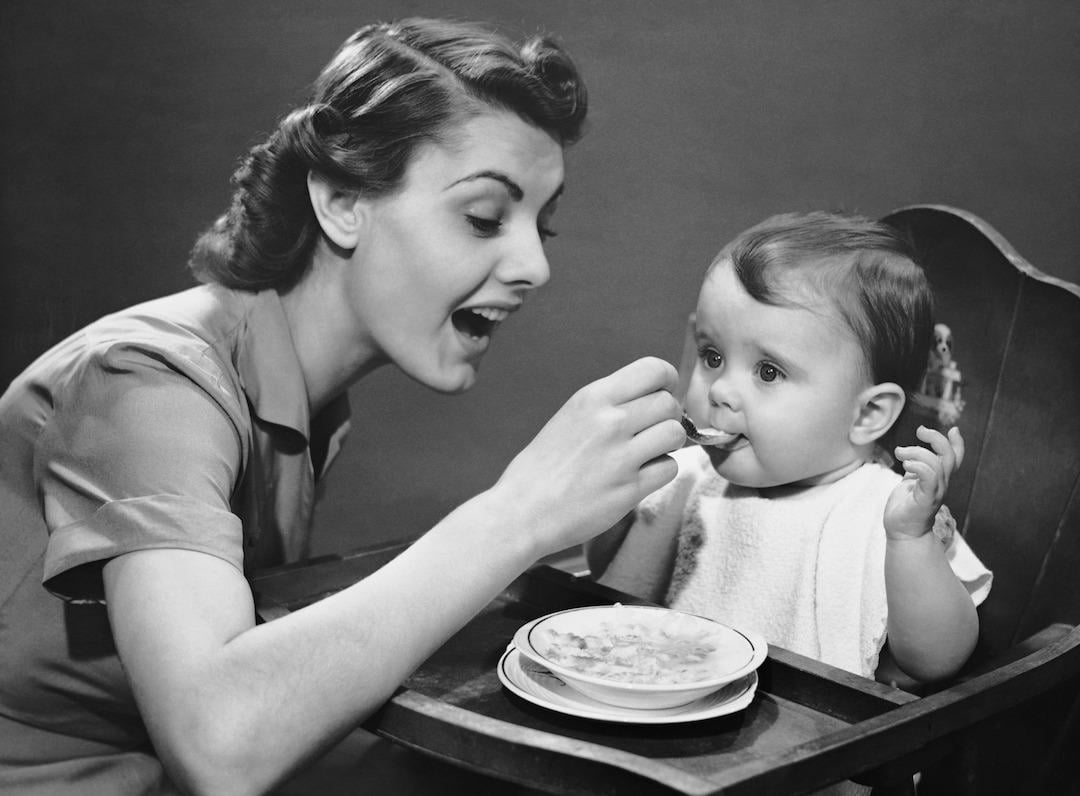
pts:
pixel 865 269
pixel 388 89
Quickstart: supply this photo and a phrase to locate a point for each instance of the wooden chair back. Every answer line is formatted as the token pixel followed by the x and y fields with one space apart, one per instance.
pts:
pixel 1016 334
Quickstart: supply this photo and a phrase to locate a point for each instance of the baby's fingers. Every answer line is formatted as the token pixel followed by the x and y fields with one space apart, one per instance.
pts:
pixel 925 473
pixel 940 445
pixel 957 442
pixel 925 465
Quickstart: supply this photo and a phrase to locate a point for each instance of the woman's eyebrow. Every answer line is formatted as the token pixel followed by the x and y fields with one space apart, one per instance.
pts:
pixel 512 187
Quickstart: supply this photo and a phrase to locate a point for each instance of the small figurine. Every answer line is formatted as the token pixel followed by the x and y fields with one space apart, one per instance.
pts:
pixel 942 382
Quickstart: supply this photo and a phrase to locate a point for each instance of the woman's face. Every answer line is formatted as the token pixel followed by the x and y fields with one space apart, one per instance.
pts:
pixel 449 256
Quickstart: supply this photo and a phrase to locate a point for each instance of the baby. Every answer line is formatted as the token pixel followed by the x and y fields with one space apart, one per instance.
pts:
pixel 810 331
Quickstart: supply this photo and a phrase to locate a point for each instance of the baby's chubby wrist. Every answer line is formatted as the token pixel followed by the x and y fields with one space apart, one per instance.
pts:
pixel 941 526
pixel 905 531
pixel 913 548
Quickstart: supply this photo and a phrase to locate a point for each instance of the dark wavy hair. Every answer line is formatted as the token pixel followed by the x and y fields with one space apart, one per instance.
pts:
pixel 389 88
pixel 864 268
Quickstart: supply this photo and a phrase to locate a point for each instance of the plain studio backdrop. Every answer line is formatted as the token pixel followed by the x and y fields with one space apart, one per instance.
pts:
pixel 122 121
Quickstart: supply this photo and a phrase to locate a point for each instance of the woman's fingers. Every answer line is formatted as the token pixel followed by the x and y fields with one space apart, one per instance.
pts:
pixel 655 473
pixel 640 377
pixel 659 438
pixel 604 451
pixel 646 411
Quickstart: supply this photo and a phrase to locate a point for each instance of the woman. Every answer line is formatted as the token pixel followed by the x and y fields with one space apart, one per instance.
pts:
pixel 153 458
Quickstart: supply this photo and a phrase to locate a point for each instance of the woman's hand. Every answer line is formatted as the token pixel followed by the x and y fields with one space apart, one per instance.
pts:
pixel 912 506
pixel 233 707
pixel 601 453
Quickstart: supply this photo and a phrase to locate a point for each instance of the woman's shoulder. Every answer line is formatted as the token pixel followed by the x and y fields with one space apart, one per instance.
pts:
pixel 200 318
pixel 189 336
pixel 195 332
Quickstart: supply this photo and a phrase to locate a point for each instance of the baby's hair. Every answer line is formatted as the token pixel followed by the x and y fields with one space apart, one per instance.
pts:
pixel 863 268
pixel 389 88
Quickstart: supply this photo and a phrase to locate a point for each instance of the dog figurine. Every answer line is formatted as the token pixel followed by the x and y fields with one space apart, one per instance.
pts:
pixel 942 381
pixel 941 352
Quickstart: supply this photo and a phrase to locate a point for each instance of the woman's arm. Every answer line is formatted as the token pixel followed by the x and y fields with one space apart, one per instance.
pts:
pixel 933 624
pixel 233 707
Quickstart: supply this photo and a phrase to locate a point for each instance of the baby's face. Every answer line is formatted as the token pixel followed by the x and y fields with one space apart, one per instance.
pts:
pixel 786 379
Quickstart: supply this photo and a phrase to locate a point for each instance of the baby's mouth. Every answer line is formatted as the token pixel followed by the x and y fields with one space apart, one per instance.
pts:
pixel 715 438
pixel 711 437
pixel 478 322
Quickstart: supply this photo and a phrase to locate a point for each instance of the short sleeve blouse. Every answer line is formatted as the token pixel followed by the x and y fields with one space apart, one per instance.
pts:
pixel 179 423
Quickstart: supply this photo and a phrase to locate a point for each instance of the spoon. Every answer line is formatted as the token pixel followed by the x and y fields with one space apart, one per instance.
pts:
pixel 698 438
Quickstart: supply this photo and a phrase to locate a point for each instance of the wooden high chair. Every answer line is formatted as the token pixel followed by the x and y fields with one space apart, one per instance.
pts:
pixel 1010 380
pixel 1006 370
pixel 1008 723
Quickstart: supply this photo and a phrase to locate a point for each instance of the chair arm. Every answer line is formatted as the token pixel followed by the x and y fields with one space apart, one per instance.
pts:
pixel 890 674
pixel 1036 641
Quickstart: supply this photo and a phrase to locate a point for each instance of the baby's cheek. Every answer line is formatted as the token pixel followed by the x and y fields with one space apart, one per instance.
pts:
pixel 696 400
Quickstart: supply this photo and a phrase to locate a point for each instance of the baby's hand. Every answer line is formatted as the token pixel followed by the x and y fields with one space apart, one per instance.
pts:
pixel 912 506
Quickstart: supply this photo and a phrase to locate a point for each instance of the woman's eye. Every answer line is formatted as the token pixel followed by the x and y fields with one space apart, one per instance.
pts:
pixel 711 357
pixel 768 372
pixel 484 227
pixel 546 233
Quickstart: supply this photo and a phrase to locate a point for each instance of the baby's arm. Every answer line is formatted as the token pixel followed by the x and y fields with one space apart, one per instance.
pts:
pixel 933 624
pixel 600 550
pixel 634 558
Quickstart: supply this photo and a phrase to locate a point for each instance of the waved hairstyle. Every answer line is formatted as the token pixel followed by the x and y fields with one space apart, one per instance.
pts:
pixel 865 269
pixel 389 88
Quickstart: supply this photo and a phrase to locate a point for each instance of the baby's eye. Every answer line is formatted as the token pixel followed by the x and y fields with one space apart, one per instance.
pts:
pixel 711 357
pixel 484 227
pixel 768 372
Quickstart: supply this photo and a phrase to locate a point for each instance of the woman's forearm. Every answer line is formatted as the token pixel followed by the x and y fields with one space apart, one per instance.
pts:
pixel 238 709
pixel 233 707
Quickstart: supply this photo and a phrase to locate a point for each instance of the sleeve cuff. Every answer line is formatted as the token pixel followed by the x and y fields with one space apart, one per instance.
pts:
pixel 76 552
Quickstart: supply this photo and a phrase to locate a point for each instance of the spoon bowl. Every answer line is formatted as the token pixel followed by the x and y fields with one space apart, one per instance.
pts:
pixel 699 438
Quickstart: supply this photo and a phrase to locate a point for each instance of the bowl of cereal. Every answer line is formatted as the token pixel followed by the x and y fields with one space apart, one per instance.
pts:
pixel 640 656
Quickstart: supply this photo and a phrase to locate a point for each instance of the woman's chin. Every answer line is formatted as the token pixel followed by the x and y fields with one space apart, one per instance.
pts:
pixel 451 381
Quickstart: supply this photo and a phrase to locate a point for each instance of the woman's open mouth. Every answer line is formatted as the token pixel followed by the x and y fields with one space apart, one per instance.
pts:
pixel 478 323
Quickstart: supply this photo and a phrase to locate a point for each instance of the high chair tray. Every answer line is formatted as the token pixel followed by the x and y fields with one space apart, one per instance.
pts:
pixel 807 725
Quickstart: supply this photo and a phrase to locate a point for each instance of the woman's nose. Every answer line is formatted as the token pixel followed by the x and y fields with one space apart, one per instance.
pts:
pixel 526 263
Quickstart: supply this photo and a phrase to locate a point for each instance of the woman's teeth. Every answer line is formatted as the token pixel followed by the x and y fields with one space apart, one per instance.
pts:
pixel 492 314
pixel 479 321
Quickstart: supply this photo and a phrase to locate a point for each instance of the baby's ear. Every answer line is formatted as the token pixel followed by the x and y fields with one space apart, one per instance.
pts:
pixel 338 212
pixel 878 408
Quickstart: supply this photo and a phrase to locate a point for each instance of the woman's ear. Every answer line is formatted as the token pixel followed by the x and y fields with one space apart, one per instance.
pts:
pixel 878 408
pixel 338 212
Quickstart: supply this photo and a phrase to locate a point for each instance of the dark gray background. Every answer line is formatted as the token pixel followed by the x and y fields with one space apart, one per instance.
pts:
pixel 121 122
